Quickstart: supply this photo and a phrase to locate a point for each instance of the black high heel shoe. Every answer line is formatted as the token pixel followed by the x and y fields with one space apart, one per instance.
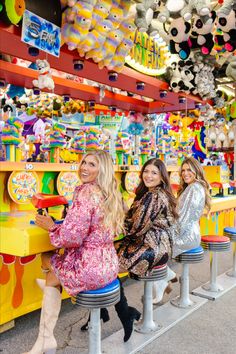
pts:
pixel 104 315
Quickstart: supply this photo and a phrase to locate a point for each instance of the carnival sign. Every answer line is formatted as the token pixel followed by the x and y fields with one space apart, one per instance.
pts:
pixel 39 33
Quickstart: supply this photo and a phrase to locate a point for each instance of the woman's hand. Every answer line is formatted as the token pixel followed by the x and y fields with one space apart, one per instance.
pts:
pixel 44 221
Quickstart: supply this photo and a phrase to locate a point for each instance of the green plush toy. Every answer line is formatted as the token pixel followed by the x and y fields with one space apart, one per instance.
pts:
pixel 11 11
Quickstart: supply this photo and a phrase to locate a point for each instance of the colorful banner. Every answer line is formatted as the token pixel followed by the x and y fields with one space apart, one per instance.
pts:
pixel 39 33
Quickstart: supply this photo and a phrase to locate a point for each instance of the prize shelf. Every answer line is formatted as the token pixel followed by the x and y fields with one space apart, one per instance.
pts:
pixel 11 44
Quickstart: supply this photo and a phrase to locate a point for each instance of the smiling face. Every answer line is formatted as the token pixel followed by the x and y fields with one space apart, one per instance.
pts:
pixel 89 169
pixel 187 174
pixel 151 176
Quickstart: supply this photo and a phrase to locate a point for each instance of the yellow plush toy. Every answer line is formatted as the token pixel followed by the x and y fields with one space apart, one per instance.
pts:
pixel 118 60
pixel 93 44
pixel 74 33
pixel 114 38
pixel 101 11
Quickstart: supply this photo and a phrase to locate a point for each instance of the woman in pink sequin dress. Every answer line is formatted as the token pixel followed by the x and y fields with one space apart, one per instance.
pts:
pixel 89 260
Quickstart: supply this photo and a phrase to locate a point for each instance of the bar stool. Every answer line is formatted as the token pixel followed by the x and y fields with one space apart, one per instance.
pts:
pixel 214 244
pixel 147 324
pixel 192 256
pixel 94 300
pixel 231 233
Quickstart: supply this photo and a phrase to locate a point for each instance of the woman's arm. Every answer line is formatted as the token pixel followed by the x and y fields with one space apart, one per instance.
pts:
pixel 192 204
pixel 77 223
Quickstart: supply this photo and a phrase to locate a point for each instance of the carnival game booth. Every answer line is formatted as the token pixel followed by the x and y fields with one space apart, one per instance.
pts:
pixel 136 91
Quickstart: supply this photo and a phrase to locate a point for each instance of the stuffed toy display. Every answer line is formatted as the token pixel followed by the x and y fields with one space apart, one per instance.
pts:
pixel 45 78
pixel 211 133
pixel 201 35
pixel 192 76
pixel 179 32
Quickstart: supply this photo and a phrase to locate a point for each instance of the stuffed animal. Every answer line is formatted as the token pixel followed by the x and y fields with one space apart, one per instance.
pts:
pixel 231 133
pixel 226 23
pixel 75 32
pixel 118 60
pixel 231 69
pixel 199 7
pixel 144 15
pixel 113 39
pixel 170 8
pixel 93 44
pixel 116 15
pixel 45 78
pixel 211 133
pixel 201 35
pixel 222 141
pixel 179 41
pixel 227 6
pixel 101 11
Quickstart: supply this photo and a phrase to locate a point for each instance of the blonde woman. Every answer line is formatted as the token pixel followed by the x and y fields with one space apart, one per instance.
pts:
pixel 89 260
pixel 193 199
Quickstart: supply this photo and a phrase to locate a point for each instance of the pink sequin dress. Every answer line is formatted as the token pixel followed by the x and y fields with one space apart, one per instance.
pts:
pixel 89 260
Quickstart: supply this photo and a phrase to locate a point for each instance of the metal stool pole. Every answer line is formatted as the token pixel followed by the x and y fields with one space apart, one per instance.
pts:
pixel 95 332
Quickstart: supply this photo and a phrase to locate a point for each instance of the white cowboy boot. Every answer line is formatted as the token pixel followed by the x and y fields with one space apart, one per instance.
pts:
pixel 41 283
pixel 162 286
pixel 46 342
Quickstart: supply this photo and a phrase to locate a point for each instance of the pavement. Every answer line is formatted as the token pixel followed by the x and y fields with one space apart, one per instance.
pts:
pixel 208 330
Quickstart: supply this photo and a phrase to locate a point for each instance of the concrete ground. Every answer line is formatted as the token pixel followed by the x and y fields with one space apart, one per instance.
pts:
pixel 209 330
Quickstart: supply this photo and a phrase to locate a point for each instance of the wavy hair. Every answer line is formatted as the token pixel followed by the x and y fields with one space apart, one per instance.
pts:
pixel 197 169
pixel 113 207
pixel 165 184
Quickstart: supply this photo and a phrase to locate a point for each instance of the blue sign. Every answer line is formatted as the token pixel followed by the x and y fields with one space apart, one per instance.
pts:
pixel 39 33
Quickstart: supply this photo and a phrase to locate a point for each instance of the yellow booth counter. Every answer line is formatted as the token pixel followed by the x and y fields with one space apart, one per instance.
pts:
pixel 21 242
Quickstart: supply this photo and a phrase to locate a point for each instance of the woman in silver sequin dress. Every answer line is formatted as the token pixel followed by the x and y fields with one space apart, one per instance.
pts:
pixel 193 198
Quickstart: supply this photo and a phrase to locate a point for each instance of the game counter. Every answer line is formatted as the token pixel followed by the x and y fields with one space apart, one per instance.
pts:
pixel 21 242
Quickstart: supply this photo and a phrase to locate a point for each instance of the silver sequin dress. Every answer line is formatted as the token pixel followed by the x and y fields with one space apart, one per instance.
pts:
pixel 190 208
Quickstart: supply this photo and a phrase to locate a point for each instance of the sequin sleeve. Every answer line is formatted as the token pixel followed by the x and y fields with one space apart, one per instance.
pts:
pixel 77 223
pixel 190 208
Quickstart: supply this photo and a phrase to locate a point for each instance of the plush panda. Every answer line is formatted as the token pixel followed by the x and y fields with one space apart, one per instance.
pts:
pixel 201 35
pixel 179 41
pixel 226 23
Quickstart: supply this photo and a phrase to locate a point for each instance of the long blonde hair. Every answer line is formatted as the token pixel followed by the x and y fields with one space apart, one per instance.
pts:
pixel 113 207
pixel 197 169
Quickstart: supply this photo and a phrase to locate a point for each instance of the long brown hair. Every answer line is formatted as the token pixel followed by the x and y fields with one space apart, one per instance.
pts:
pixel 197 169
pixel 165 184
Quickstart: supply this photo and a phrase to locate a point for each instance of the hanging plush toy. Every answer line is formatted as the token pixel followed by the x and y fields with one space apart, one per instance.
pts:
pixel 231 69
pixel 45 78
pixel 226 23
pixel 11 11
pixel 199 7
pixel 180 43
pixel 227 6
pixel 201 35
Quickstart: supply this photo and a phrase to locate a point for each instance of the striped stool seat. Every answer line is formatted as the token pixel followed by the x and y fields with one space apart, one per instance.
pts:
pixel 157 273
pixel 192 256
pixel 94 300
pixel 147 323
pixel 214 244
pixel 231 233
